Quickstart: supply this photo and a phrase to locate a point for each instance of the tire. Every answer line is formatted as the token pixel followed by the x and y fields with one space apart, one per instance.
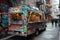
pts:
pixel 44 29
pixel 2 34
pixel 45 25
pixel 36 32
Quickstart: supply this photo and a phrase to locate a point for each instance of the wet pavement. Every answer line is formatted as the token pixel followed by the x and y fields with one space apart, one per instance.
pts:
pixel 51 33
pixel 3 36
pixel 59 35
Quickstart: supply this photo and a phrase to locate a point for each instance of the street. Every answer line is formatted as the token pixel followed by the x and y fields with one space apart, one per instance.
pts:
pixel 51 33
pixel 29 19
pixel 59 35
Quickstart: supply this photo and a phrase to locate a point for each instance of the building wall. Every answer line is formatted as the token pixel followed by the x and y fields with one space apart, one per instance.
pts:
pixel 3 1
pixel 31 2
pixel 55 8
pixel 3 5
pixel 59 3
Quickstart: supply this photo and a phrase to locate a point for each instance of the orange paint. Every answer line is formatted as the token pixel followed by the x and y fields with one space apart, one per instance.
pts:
pixel 15 26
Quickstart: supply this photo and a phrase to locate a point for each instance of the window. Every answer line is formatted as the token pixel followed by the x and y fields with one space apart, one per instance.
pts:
pixel 17 17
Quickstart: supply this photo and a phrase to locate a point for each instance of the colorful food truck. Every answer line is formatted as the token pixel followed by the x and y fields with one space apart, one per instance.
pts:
pixel 24 24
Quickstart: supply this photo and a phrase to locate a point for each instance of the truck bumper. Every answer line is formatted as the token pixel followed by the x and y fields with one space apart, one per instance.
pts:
pixel 18 33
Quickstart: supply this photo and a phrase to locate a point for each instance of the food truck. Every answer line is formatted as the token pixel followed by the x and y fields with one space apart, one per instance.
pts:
pixel 24 24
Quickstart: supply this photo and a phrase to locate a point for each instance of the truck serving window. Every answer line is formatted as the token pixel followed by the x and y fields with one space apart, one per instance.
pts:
pixel 32 17
pixel 13 17
pixel 38 17
pixel 16 18
pixel 20 17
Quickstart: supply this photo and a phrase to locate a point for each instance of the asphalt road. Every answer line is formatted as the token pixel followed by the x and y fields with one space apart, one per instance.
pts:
pixel 51 33
pixel 59 35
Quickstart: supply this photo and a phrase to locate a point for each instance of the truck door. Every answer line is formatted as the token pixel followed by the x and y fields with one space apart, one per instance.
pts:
pixel 31 22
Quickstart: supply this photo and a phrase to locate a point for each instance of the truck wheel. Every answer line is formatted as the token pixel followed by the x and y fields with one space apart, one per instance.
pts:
pixel 2 34
pixel 45 25
pixel 44 29
pixel 37 33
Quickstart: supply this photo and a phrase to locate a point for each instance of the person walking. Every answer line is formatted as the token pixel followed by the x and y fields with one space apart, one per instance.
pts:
pixel 56 23
pixel 52 21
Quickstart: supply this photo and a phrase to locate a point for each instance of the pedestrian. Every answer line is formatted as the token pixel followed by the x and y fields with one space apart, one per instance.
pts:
pixel 56 23
pixel 52 21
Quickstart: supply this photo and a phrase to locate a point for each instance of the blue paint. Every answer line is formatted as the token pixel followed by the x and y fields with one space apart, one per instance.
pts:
pixel 4 21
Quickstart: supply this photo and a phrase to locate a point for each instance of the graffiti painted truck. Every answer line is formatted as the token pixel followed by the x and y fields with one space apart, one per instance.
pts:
pixel 24 25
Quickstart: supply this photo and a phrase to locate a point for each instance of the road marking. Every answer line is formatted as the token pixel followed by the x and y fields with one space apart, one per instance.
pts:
pixel 7 37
